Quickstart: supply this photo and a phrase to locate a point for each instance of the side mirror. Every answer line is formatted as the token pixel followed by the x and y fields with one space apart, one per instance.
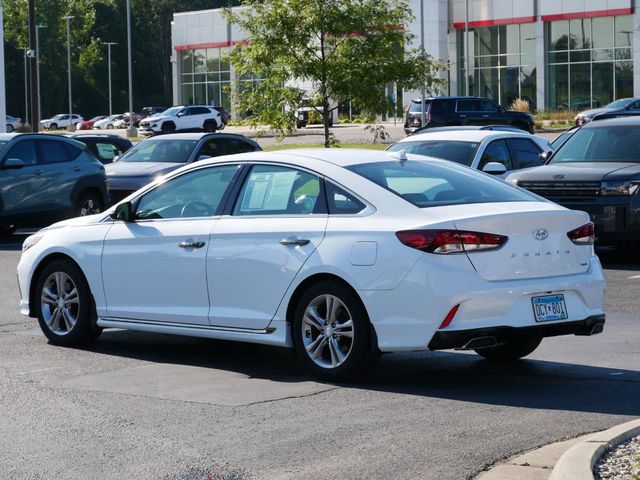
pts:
pixel 13 163
pixel 123 212
pixel 544 157
pixel 116 158
pixel 181 114
pixel 494 168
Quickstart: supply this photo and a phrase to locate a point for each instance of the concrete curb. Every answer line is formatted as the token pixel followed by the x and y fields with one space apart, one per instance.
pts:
pixel 577 463
pixel 572 459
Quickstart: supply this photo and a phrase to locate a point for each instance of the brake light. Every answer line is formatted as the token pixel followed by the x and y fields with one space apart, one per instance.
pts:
pixel 584 235
pixel 447 320
pixel 445 242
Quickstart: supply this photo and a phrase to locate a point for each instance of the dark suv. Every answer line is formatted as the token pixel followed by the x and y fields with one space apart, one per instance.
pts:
pixel 45 178
pixel 454 111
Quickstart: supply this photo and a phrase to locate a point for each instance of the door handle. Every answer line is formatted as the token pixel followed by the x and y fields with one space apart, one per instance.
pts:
pixel 295 241
pixel 191 244
pixel 463 116
pixel 485 116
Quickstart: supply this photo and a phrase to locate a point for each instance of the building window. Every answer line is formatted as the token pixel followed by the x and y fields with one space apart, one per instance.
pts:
pixel 502 63
pixel 205 77
pixel 589 61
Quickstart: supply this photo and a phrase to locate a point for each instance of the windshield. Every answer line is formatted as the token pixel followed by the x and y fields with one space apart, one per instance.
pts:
pixel 619 103
pixel 164 151
pixel 562 139
pixel 613 143
pixel 171 111
pixel 416 107
pixel 433 184
pixel 454 151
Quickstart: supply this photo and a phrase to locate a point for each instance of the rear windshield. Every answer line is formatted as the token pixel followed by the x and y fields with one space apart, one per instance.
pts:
pixel 454 151
pixel 613 143
pixel 166 151
pixel 416 107
pixel 433 184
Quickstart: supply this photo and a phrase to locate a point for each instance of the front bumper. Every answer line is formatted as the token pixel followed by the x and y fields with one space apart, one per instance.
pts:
pixel 494 336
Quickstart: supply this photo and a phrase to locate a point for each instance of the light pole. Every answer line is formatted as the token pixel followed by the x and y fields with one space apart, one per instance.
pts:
pixel 3 97
pixel 466 47
pixel 71 126
pixel 422 102
pixel 109 45
pixel 26 88
pixel 38 27
pixel 131 131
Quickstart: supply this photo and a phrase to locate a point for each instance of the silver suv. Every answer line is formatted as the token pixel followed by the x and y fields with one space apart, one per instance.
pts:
pixel 185 118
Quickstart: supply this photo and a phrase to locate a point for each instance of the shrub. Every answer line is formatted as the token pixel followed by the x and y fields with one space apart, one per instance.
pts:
pixel 520 105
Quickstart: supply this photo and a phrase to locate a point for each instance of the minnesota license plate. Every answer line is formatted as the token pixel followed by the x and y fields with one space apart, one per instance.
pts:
pixel 549 308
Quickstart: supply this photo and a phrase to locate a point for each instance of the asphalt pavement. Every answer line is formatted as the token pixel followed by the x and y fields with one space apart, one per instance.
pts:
pixel 149 406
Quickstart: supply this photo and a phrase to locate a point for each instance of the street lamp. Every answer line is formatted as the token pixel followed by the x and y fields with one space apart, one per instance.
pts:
pixel 131 131
pixel 38 27
pixel 71 126
pixel 466 47
pixel 3 98
pixel 26 88
pixel 422 102
pixel 109 45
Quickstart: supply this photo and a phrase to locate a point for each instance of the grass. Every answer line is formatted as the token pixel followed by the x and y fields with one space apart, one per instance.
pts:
pixel 366 146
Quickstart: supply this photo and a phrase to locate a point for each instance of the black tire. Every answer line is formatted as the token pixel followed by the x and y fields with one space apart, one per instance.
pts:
pixel 9 128
pixel 168 127
pixel 7 229
pixel 359 356
pixel 210 126
pixel 89 204
pixel 53 126
pixel 109 126
pixel 510 351
pixel 84 331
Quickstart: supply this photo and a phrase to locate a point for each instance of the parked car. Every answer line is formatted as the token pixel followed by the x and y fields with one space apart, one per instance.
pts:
pixel 13 123
pixel 124 122
pixel 446 111
pixel 150 111
pixel 185 118
pixel 44 178
pixel 492 152
pixel 104 147
pixel 495 128
pixel 620 108
pixel 302 115
pixel 157 156
pixel 61 121
pixel 337 253
pixel 108 123
pixel 88 124
pixel 597 170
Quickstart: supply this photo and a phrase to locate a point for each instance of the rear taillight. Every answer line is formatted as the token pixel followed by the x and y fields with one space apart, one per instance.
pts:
pixel 584 235
pixel 450 241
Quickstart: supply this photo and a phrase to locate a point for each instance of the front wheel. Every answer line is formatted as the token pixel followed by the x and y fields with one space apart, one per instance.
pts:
pixel 511 350
pixel 331 332
pixel 168 127
pixel 53 126
pixel 89 204
pixel 65 308
pixel 9 128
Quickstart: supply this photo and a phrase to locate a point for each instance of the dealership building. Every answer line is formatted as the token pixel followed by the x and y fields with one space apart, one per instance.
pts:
pixel 557 54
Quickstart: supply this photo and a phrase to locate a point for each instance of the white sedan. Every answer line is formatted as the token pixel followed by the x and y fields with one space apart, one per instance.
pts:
pixel 339 253
pixel 492 151
pixel 108 123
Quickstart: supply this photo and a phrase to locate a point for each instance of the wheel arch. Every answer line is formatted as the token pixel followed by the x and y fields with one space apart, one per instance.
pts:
pixel 38 270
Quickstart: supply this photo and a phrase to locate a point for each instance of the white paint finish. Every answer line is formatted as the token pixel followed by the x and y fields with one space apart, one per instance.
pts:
pixel 364 254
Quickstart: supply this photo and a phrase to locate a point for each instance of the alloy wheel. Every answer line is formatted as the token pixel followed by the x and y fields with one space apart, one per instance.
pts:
pixel 59 303
pixel 327 331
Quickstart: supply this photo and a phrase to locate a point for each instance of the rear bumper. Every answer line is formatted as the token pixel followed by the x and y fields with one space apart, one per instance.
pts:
pixel 489 337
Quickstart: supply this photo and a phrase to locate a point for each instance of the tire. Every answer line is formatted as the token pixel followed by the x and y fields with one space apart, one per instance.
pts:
pixel 66 319
pixel 53 126
pixel 300 124
pixel 109 126
pixel 510 351
pixel 341 354
pixel 9 128
pixel 210 126
pixel 89 204
pixel 168 127
pixel 7 229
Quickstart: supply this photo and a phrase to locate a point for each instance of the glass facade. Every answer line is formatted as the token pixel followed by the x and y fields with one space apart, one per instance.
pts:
pixel 589 61
pixel 502 62
pixel 205 77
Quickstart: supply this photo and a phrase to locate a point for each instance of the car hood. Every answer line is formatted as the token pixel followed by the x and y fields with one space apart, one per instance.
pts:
pixel 78 221
pixel 139 169
pixel 578 172
pixel 591 113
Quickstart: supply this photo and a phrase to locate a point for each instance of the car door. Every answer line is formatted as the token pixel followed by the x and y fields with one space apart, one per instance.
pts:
pixel 22 189
pixel 490 113
pixel 524 153
pixel 496 151
pixel 278 220
pixel 154 268
pixel 468 112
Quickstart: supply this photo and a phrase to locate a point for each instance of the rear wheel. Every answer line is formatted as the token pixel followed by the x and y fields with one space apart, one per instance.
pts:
pixel 9 128
pixel 7 229
pixel 65 308
pixel 110 127
pixel 168 127
pixel 510 351
pixel 210 126
pixel 89 204
pixel 331 332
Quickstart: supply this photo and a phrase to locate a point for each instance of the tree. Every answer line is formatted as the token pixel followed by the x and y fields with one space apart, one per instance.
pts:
pixel 349 50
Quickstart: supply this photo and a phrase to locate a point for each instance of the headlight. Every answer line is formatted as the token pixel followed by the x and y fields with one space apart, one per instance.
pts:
pixel 154 124
pixel 31 241
pixel 619 188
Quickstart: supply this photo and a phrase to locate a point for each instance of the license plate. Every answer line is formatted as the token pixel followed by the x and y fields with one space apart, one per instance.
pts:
pixel 549 308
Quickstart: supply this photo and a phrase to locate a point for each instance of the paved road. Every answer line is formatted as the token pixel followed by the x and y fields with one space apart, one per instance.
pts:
pixel 158 407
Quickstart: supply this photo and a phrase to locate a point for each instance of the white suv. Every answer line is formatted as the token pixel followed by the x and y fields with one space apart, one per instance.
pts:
pixel 60 120
pixel 188 117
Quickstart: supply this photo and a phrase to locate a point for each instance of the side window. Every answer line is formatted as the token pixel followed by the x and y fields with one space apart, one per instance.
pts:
pixel 51 151
pixel 275 190
pixel 25 151
pixel 106 151
pixel 635 105
pixel 468 105
pixel 239 146
pixel 211 148
pixel 524 152
pixel 194 194
pixel 341 202
pixel 487 106
pixel 201 111
pixel 497 151
pixel 443 106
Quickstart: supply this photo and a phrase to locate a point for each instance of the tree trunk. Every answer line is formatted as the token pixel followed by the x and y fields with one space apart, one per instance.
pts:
pixel 326 116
